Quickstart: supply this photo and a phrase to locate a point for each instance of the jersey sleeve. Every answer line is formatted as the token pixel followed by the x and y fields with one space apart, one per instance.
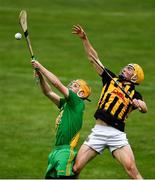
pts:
pixel 106 76
pixel 137 95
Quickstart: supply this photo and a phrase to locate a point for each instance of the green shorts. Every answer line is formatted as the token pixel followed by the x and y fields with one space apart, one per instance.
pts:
pixel 60 162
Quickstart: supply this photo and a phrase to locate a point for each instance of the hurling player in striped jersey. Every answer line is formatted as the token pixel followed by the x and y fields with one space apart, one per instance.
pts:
pixel 117 100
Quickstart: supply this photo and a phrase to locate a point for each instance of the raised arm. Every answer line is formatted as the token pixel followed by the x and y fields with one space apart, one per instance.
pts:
pixel 51 78
pixel 46 89
pixel 90 51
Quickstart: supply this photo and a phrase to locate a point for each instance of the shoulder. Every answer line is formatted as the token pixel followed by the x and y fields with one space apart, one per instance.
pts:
pixel 108 72
pixel 107 75
pixel 137 95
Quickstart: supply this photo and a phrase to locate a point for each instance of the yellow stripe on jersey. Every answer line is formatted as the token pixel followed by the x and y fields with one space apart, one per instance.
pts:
pixel 120 115
pixel 75 140
pixel 104 96
pixel 113 100
pixel 132 93
pixel 69 163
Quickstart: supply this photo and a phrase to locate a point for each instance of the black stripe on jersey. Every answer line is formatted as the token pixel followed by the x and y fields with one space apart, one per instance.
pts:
pixel 112 104
pixel 105 101
pixel 118 110
pixel 115 83
pixel 126 112
pixel 106 88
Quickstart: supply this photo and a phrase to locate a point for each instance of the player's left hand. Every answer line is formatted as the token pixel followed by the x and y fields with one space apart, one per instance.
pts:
pixel 77 29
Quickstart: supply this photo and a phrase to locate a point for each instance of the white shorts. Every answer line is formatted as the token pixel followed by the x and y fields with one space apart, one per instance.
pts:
pixel 106 137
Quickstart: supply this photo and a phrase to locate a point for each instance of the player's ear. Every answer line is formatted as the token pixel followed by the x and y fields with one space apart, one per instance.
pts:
pixel 80 94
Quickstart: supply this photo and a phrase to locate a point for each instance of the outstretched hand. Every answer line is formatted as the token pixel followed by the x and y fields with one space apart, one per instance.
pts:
pixel 77 29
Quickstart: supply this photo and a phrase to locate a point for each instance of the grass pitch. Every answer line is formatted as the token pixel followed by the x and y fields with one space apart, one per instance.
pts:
pixel 122 31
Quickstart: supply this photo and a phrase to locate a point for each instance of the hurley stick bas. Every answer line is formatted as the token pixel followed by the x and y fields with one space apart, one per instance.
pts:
pixel 24 26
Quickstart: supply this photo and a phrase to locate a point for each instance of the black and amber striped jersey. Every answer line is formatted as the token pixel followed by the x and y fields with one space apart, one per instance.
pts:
pixel 114 105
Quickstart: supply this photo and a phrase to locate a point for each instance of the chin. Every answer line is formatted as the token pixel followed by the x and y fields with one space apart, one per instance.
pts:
pixel 122 77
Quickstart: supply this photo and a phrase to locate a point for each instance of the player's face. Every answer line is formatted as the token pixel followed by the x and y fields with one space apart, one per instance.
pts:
pixel 127 72
pixel 74 86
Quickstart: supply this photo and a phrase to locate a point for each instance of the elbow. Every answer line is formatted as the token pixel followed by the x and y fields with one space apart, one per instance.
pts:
pixel 144 110
pixel 46 92
pixel 143 107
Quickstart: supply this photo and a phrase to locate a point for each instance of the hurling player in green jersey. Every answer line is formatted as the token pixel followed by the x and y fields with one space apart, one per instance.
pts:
pixel 68 123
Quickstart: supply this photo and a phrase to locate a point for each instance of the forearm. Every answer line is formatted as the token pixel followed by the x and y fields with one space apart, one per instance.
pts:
pixel 44 85
pixel 90 51
pixel 46 89
pixel 54 80
pixel 50 76
pixel 92 55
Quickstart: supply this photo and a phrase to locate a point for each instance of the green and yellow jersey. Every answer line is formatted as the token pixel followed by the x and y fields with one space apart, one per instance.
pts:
pixel 114 105
pixel 69 121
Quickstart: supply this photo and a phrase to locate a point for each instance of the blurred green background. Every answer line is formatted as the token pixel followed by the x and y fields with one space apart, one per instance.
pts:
pixel 122 31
